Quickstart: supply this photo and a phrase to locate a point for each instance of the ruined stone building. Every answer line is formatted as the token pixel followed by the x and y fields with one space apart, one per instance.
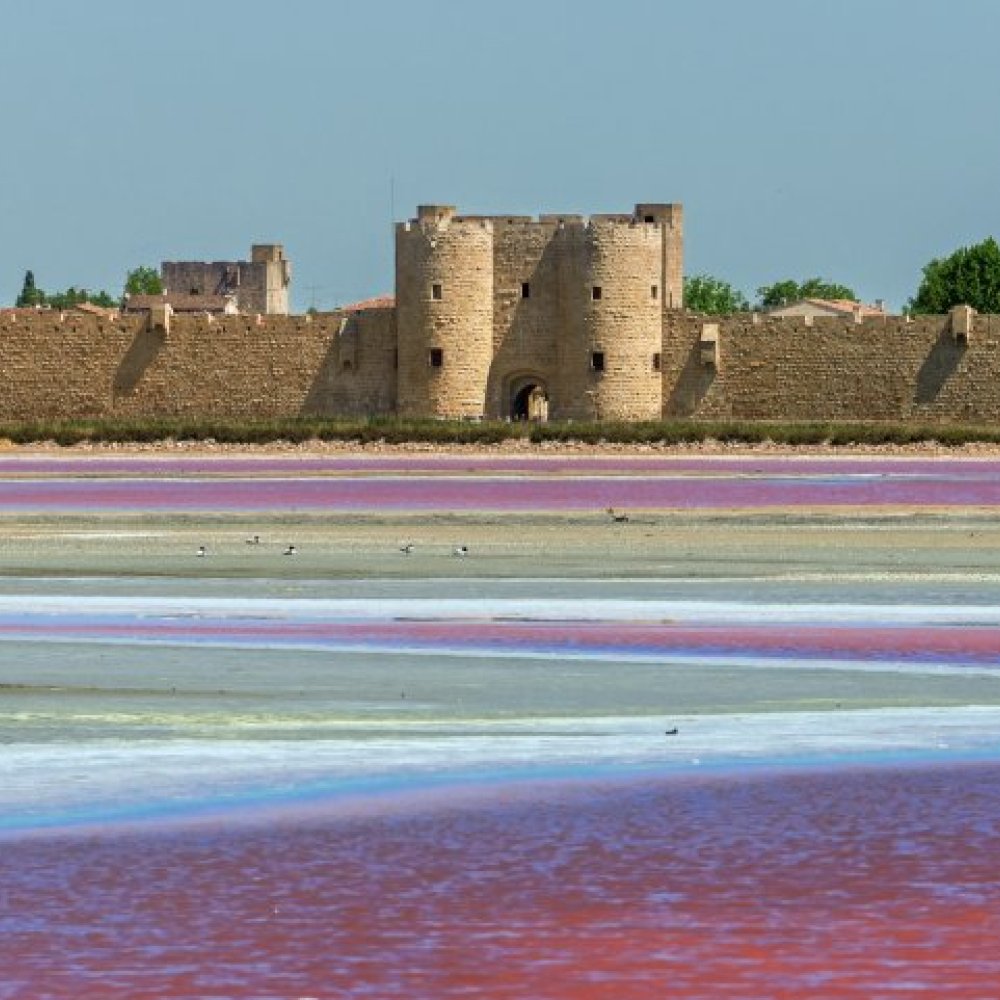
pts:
pixel 513 316
pixel 259 285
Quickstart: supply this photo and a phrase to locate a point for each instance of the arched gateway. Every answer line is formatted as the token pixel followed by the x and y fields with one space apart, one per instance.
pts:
pixel 528 398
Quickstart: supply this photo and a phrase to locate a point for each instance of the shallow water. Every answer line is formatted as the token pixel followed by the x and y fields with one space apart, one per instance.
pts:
pixel 838 883
pixel 494 483
pixel 286 784
pixel 438 493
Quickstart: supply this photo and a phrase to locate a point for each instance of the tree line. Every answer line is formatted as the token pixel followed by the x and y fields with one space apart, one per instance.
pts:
pixel 139 281
pixel 969 276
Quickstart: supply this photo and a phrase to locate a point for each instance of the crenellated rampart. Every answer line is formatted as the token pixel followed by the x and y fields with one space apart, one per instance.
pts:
pixel 562 317
pixel 77 365
pixel 924 369
pixel 72 365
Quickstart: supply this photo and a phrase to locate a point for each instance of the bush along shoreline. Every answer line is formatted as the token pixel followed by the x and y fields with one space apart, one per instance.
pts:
pixel 384 430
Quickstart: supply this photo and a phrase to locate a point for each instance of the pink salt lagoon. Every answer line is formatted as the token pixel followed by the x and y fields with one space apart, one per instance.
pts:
pixel 280 783
pixel 428 483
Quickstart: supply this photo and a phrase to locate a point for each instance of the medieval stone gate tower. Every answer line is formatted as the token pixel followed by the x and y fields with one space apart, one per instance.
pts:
pixel 512 316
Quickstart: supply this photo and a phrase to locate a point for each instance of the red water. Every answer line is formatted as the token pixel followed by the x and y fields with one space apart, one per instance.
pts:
pixel 489 483
pixel 557 493
pixel 968 644
pixel 853 883
pixel 478 464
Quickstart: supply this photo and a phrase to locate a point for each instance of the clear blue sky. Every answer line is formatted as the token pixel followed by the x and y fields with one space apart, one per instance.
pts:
pixel 851 139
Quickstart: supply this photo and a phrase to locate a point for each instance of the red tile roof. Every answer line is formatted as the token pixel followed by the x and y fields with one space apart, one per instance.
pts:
pixel 846 306
pixel 378 302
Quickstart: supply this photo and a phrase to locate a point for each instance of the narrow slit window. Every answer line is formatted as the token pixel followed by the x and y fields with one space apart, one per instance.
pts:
pixel 597 361
pixel 654 291
pixel 525 289
pixel 657 362
pixel 436 357
pixel 596 292
pixel 437 292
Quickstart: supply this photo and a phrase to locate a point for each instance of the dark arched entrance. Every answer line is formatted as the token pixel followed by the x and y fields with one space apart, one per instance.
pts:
pixel 529 400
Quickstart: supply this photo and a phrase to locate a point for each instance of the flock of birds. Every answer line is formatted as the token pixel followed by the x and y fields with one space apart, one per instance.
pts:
pixel 290 550
pixel 459 551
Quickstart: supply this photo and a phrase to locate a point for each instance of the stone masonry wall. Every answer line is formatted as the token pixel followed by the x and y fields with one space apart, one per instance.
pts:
pixel 73 365
pixel 611 296
pixel 76 365
pixel 833 369
pixel 444 296
pixel 525 327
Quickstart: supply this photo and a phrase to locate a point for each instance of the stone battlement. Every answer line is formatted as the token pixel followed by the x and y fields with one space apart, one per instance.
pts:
pixel 444 215
pixel 931 369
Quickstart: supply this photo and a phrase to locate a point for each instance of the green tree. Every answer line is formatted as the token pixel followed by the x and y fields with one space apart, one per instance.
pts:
pixel 705 294
pixel 143 281
pixel 783 292
pixel 970 276
pixel 30 295
pixel 76 296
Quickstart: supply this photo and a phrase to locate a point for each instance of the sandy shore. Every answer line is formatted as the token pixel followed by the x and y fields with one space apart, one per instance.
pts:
pixel 695 546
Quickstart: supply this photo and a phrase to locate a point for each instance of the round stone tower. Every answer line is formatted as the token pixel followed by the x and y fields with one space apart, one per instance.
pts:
pixel 444 313
pixel 611 351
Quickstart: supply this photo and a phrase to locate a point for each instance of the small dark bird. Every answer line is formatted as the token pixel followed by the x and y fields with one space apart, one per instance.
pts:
pixel 202 552
pixel 406 549
pixel 672 732
pixel 619 517
pixel 254 540
pixel 460 550
pixel 290 551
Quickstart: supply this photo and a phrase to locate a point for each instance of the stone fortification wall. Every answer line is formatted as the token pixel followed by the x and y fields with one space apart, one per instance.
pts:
pixel 76 365
pixel 612 321
pixel 670 219
pixel 444 302
pixel 73 365
pixel 526 309
pixel 832 369
pixel 573 307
